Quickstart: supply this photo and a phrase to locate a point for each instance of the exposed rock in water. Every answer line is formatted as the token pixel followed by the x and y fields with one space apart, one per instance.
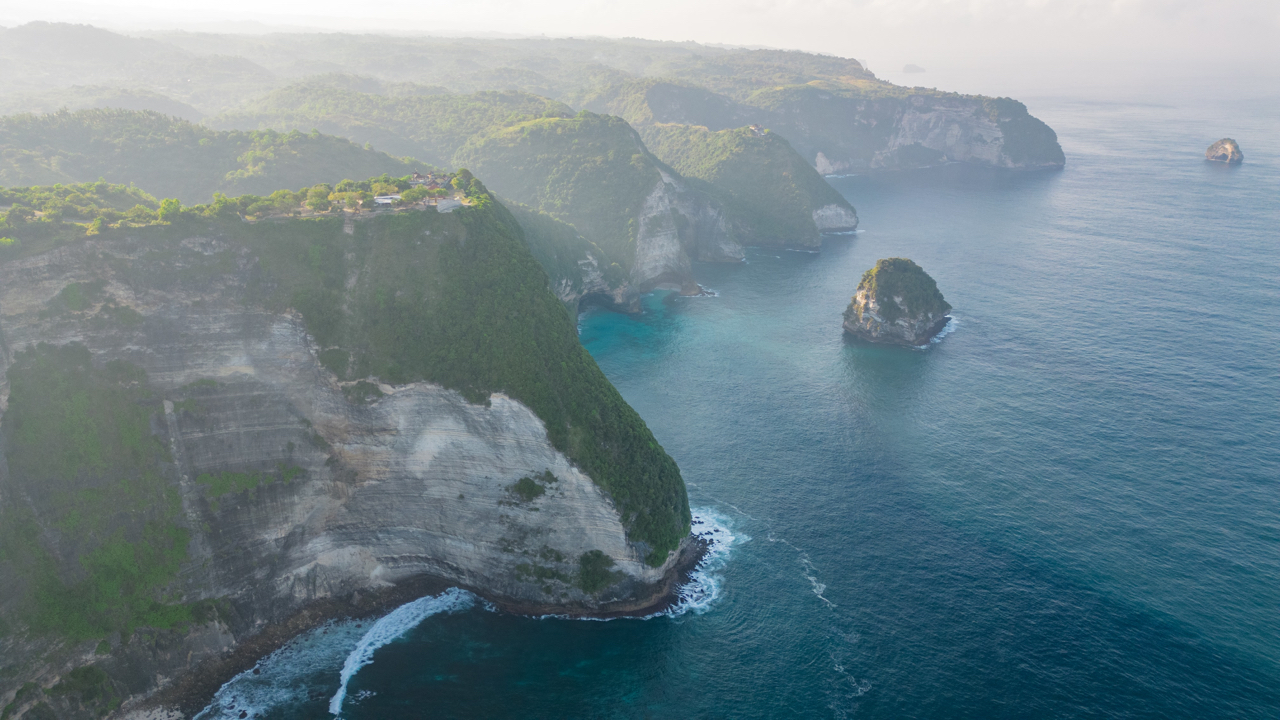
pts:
pixel 896 303
pixel 1225 150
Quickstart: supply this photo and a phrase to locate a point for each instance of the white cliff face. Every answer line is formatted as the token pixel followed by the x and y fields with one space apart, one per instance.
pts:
pixel 677 225
pixel 830 218
pixel 418 481
pixel 413 483
pixel 953 128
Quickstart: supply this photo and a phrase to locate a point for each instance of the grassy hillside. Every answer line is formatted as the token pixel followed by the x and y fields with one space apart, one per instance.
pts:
pixel 174 158
pixel 431 126
pixel 769 190
pixel 591 171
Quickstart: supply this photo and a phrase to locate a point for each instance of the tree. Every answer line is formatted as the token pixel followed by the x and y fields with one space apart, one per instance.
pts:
pixel 318 198
pixel 170 208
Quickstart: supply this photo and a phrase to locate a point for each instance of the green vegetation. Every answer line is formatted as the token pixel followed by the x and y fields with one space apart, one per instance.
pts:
pixel 431 127
pixel 91 686
pixel 80 450
pixel 893 278
pixel 25 694
pixel 43 217
pixel 175 158
pixel 591 171
pixel 529 488
pixel 594 572
pixel 769 191
pixel 217 485
pixel 559 248
pixel 361 392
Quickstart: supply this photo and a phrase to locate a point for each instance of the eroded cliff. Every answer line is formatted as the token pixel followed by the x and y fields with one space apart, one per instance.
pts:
pixel 209 427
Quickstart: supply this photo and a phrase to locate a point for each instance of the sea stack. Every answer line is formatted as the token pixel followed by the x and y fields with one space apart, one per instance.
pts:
pixel 1225 150
pixel 896 303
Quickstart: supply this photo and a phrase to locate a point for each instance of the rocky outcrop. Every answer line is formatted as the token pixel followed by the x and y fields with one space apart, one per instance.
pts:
pixel 1226 151
pixel 896 303
pixel 365 485
pixel 677 226
pixel 835 218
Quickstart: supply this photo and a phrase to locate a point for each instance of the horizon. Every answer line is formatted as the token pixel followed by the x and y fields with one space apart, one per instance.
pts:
pixel 1100 48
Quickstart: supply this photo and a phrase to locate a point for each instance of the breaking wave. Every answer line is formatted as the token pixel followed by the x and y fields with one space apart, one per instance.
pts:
pixel 393 625
pixel 706 581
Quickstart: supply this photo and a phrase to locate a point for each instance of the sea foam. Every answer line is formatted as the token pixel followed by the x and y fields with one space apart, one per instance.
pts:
pixel 299 671
pixel 391 626
pixel 706 581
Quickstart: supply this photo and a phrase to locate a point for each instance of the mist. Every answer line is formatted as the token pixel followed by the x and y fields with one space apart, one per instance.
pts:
pixel 1002 47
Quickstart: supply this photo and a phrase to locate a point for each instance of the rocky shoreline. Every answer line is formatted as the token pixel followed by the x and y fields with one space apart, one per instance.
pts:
pixel 921 339
pixel 193 692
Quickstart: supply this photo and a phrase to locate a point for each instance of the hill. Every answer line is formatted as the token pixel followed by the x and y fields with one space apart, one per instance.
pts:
pixel 430 126
pixel 174 158
pixel 594 172
pixel 771 194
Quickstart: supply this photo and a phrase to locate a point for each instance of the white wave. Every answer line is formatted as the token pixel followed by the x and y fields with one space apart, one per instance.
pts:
pixel 808 570
pixel 706 581
pixel 287 677
pixel 946 330
pixel 391 626
pixel 952 324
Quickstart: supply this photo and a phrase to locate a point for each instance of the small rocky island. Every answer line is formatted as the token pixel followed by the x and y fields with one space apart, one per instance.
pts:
pixel 896 303
pixel 1225 150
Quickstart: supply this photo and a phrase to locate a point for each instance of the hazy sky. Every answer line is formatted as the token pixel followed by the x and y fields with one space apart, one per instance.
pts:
pixel 953 39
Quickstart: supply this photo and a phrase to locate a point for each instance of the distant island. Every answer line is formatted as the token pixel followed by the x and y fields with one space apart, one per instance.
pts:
pixel 1225 150
pixel 896 303
pixel 910 68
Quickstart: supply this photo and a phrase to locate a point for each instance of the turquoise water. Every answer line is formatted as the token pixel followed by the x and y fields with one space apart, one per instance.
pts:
pixel 1068 507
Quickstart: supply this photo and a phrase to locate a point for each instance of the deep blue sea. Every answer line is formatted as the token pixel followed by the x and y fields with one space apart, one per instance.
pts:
pixel 1069 507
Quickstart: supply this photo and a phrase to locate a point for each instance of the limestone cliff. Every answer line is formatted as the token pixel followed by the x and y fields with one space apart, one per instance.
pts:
pixel 677 225
pixel 259 435
pixel 896 303
pixel 842 124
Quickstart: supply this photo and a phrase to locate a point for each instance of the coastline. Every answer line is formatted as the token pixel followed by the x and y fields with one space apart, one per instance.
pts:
pixel 191 693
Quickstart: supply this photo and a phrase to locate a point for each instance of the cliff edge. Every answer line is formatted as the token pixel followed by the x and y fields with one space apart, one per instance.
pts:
pixel 211 426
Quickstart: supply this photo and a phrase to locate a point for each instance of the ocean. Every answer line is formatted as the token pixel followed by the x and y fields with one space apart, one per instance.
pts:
pixel 1067 507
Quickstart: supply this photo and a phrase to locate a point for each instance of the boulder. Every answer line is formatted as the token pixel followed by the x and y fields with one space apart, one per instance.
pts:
pixel 1225 150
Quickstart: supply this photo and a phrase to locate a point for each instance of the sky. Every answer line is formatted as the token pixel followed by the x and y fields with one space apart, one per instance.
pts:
pixel 966 45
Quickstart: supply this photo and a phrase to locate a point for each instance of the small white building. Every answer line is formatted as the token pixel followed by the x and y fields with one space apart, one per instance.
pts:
pixel 386 200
